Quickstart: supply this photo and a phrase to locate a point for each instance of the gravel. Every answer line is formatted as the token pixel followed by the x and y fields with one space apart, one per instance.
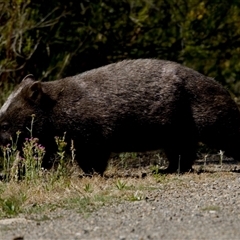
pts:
pixel 189 206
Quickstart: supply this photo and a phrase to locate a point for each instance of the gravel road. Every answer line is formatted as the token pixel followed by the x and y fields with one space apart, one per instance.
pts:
pixel 189 206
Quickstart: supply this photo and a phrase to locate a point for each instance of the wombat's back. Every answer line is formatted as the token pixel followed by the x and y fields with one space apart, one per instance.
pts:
pixel 150 97
pixel 144 88
pixel 155 83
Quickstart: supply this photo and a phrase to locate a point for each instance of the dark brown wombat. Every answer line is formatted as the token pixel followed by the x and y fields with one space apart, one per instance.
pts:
pixel 133 105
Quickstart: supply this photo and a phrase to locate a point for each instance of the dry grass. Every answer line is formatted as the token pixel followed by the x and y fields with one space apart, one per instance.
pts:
pixel 82 193
pixel 128 177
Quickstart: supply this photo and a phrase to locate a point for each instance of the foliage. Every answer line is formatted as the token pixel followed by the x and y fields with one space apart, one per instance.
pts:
pixel 120 185
pixel 53 39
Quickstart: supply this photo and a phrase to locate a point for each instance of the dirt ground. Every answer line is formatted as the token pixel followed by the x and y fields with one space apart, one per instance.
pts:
pixel 204 204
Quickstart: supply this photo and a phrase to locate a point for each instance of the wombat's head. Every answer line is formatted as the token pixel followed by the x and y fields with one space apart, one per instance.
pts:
pixel 26 101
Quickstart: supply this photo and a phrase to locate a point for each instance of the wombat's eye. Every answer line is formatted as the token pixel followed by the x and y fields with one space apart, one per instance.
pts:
pixel 4 127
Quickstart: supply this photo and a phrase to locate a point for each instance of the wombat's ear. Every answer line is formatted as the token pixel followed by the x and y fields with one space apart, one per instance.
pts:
pixel 29 77
pixel 34 92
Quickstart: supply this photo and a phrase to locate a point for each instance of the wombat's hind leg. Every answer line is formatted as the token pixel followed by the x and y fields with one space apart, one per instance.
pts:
pixel 183 158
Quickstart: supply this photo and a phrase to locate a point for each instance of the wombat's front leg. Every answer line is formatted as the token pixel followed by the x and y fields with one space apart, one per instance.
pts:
pixel 93 160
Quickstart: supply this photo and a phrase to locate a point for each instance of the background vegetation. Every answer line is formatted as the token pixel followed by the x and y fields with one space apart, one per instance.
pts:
pixel 52 39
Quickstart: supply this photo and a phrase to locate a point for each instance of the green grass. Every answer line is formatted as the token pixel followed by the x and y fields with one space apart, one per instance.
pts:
pixel 11 205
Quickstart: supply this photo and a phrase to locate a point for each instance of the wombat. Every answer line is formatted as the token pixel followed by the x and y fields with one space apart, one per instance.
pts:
pixel 129 106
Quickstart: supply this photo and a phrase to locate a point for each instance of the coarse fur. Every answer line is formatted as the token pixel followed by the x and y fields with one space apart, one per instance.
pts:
pixel 132 105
